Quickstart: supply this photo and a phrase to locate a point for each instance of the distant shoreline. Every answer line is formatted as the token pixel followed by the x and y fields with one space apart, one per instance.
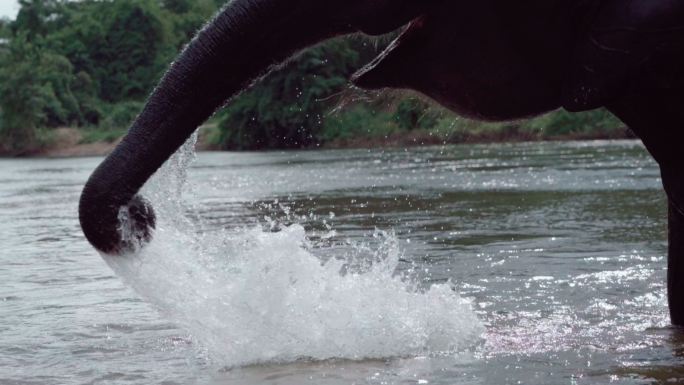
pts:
pixel 68 142
pixel 424 138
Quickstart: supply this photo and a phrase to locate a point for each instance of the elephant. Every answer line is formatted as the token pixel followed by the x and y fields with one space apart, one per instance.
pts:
pixel 493 60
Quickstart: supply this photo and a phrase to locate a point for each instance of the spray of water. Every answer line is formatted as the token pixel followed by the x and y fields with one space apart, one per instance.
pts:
pixel 250 296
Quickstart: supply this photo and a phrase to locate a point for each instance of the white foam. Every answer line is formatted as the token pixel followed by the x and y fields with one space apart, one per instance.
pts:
pixel 250 296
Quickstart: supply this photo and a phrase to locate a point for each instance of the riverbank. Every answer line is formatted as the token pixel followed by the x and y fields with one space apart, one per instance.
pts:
pixel 429 138
pixel 72 142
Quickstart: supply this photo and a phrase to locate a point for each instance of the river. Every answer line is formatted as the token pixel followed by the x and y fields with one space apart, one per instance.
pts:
pixel 532 263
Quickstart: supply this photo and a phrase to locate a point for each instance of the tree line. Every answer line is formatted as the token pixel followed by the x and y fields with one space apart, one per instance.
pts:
pixel 91 63
pixel 87 63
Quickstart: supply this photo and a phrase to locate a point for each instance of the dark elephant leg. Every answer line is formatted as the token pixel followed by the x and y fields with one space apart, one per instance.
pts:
pixel 675 265
pixel 632 54
pixel 658 119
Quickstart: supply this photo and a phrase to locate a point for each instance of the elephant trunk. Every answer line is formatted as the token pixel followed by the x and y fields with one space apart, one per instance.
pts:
pixel 243 41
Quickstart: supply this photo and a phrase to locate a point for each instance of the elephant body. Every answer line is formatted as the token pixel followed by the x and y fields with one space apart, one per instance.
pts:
pixel 489 59
pixel 497 61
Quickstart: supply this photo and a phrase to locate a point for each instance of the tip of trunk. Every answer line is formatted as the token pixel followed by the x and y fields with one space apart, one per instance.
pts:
pixel 117 229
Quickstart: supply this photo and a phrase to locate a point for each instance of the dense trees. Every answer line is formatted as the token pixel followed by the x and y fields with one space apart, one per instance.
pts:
pixel 79 63
pixel 91 63
pixel 287 108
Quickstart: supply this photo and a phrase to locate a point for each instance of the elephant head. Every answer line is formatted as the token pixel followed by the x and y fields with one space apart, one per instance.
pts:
pixel 243 42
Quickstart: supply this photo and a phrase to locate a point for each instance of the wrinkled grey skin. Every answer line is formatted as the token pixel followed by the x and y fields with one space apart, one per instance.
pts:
pixel 490 59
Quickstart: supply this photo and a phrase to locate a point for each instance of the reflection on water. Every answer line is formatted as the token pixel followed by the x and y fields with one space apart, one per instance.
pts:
pixel 560 246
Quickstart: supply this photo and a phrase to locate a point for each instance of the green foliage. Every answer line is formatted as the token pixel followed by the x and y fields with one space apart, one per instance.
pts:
pixel 562 123
pixel 187 17
pixel 177 6
pixel 35 90
pixel 287 108
pixel 21 97
pixel 121 115
pixel 5 30
pixel 98 135
pixel 357 122
pixel 412 113
pixel 135 36
pixel 83 89
pixel 34 16
pixel 86 63
pixel 118 43
pixel 554 125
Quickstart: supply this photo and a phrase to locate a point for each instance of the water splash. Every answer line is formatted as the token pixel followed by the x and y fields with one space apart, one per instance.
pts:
pixel 251 296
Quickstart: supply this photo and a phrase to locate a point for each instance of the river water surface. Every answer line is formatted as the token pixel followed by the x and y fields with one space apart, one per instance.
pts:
pixel 539 263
